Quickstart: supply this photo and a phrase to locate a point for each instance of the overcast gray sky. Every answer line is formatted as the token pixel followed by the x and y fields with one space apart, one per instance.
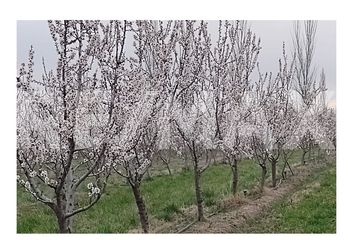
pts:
pixel 272 34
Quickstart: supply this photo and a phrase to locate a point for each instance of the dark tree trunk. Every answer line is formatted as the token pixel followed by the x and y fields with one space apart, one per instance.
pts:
pixel 310 154
pixel 214 154
pixel 65 204
pixel 169 170
pixel 166 162
pixel 303 157
pixel 274 173
pixel 286 163
pixel 69 195
pixel 234 175
pixel 283 173
pixel 198 191
pixel 141 208
pixel 185 161
pixel 264 173
pixel 64 224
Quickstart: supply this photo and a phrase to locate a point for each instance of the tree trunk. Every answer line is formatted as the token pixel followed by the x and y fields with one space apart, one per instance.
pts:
pixel 66 204
pixel 310 154
pixel 214 154
pixel 166 161
pixel 264 173
pixel 198 191
pixel 141 208
pixel 169 170
pixel 303 158
pixel 61 211
pixel 185 161
pixel 64 224
pixel 234 176
pixel 283 173
pixel 69 195
pixel 274 173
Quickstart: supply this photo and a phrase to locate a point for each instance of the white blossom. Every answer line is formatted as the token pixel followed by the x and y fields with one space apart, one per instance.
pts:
pixel 33 174
pixel 43 173
pixel 96 190
pixel 53 182
pixel 90 185
pixel 27 185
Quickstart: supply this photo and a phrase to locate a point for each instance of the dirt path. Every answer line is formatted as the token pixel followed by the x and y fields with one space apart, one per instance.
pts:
pixel 236 211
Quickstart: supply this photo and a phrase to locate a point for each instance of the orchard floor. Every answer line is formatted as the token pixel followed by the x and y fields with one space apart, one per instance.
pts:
pixel 303 203
pixel 170 204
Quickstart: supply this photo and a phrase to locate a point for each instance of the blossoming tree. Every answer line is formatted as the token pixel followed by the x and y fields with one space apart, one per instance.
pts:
pixel 62 132
pixel 272 122
pixel 230 65
pixel 190 118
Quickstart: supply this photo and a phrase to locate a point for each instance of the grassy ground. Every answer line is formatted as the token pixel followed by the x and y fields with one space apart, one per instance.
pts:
pixel 116 211
pixel 164 195
pixel 311 209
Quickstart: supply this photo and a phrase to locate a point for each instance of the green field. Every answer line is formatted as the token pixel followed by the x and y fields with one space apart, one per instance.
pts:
pixel 311 209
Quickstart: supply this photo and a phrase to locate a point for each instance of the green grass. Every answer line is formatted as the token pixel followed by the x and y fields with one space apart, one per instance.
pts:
pixel 116 212
pixel 315 212
pixel 33 217
pixel 164 196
